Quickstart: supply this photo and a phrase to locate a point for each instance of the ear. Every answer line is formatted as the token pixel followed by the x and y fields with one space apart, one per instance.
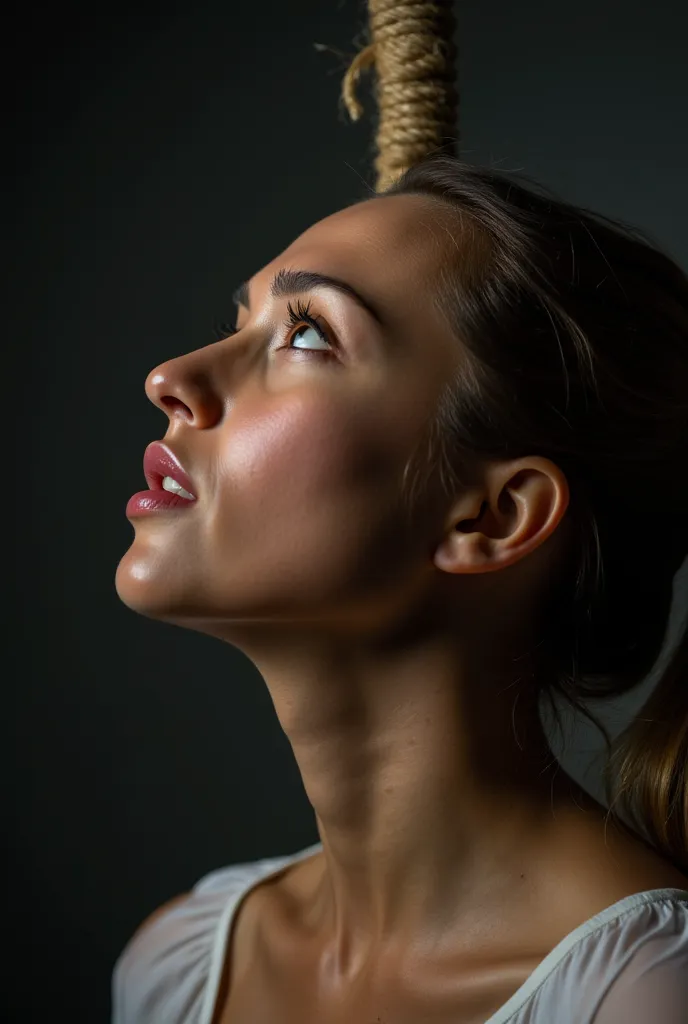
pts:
pixel 516 507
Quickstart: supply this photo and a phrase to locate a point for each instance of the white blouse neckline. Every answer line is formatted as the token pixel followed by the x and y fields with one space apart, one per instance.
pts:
pixel 550 962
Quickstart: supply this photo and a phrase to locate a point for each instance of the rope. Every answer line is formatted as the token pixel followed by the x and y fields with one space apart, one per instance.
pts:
pixel 414 55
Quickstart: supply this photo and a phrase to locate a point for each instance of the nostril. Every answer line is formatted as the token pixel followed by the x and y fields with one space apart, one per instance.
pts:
pixel 173 404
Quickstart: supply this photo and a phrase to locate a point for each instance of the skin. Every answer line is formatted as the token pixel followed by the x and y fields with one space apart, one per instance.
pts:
pixel 387 646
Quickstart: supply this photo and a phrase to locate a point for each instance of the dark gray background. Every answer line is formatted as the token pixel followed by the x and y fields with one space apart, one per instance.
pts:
pixel 162 157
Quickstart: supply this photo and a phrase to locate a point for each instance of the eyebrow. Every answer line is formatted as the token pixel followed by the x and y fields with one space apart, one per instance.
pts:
pixel 291 282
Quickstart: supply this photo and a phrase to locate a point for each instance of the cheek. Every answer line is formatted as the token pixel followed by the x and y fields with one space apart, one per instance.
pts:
pixel 306 495
pixel 306 452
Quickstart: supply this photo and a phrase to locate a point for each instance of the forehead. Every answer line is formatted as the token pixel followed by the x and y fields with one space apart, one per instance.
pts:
pixel 398 236
pixel 382 222
pixel 390 248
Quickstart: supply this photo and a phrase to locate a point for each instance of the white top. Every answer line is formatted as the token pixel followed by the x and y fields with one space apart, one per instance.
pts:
pixel 626 965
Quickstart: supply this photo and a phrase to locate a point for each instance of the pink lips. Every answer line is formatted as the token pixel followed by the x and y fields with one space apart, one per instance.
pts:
pixel 159 462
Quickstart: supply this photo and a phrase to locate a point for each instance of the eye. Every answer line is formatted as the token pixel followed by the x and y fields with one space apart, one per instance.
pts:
pixel 302 320
pixel 299 318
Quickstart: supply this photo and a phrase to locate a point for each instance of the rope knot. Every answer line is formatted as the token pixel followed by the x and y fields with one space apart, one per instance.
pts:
pixel 413 52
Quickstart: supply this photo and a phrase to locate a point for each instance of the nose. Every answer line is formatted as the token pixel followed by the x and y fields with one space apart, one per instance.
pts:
pixel 185 388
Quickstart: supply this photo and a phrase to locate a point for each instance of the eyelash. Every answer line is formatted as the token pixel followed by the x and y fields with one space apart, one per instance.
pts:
pixel 297 318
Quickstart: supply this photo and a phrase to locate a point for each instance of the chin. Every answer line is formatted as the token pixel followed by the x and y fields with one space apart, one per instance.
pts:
pixel 142 592
pixel 161 597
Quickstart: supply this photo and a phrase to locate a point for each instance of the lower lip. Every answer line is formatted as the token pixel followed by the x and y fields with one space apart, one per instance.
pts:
pixel 144 503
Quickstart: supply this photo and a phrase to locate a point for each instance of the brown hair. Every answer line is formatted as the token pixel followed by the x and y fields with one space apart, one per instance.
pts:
pixel 574 333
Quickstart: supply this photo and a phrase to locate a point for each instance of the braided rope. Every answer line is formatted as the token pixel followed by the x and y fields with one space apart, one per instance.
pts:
pixel 414 55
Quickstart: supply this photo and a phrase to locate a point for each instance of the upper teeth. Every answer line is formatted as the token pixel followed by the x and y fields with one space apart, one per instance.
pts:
pixel 170 484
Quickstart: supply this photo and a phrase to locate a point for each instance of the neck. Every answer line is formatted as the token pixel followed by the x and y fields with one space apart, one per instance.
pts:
pixel 432 783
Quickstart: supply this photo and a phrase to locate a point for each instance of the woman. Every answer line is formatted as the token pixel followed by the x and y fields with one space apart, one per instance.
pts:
pixel 420 501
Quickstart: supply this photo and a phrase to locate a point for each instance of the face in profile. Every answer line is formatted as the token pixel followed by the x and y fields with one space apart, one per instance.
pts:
pixel 296 432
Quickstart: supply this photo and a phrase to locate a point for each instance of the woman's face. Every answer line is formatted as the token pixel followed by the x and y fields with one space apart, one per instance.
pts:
pixel 297 444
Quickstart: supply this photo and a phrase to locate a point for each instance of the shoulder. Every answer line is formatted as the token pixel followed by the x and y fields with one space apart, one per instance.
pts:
pixel 628 963
pixel 651 965
pixel 146 925
pixel 162 972
pixel 169 967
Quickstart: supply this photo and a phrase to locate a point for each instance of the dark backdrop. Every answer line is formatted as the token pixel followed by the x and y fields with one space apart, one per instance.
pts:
pixel 164 153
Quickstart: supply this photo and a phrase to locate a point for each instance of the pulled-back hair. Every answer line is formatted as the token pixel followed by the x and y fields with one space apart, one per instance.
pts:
pixel 573 329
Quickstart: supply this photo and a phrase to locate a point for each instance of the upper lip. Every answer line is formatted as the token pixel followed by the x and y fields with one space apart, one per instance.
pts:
pixel 160 461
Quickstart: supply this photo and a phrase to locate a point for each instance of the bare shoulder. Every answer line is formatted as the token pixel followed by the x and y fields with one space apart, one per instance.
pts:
pixel 595 863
